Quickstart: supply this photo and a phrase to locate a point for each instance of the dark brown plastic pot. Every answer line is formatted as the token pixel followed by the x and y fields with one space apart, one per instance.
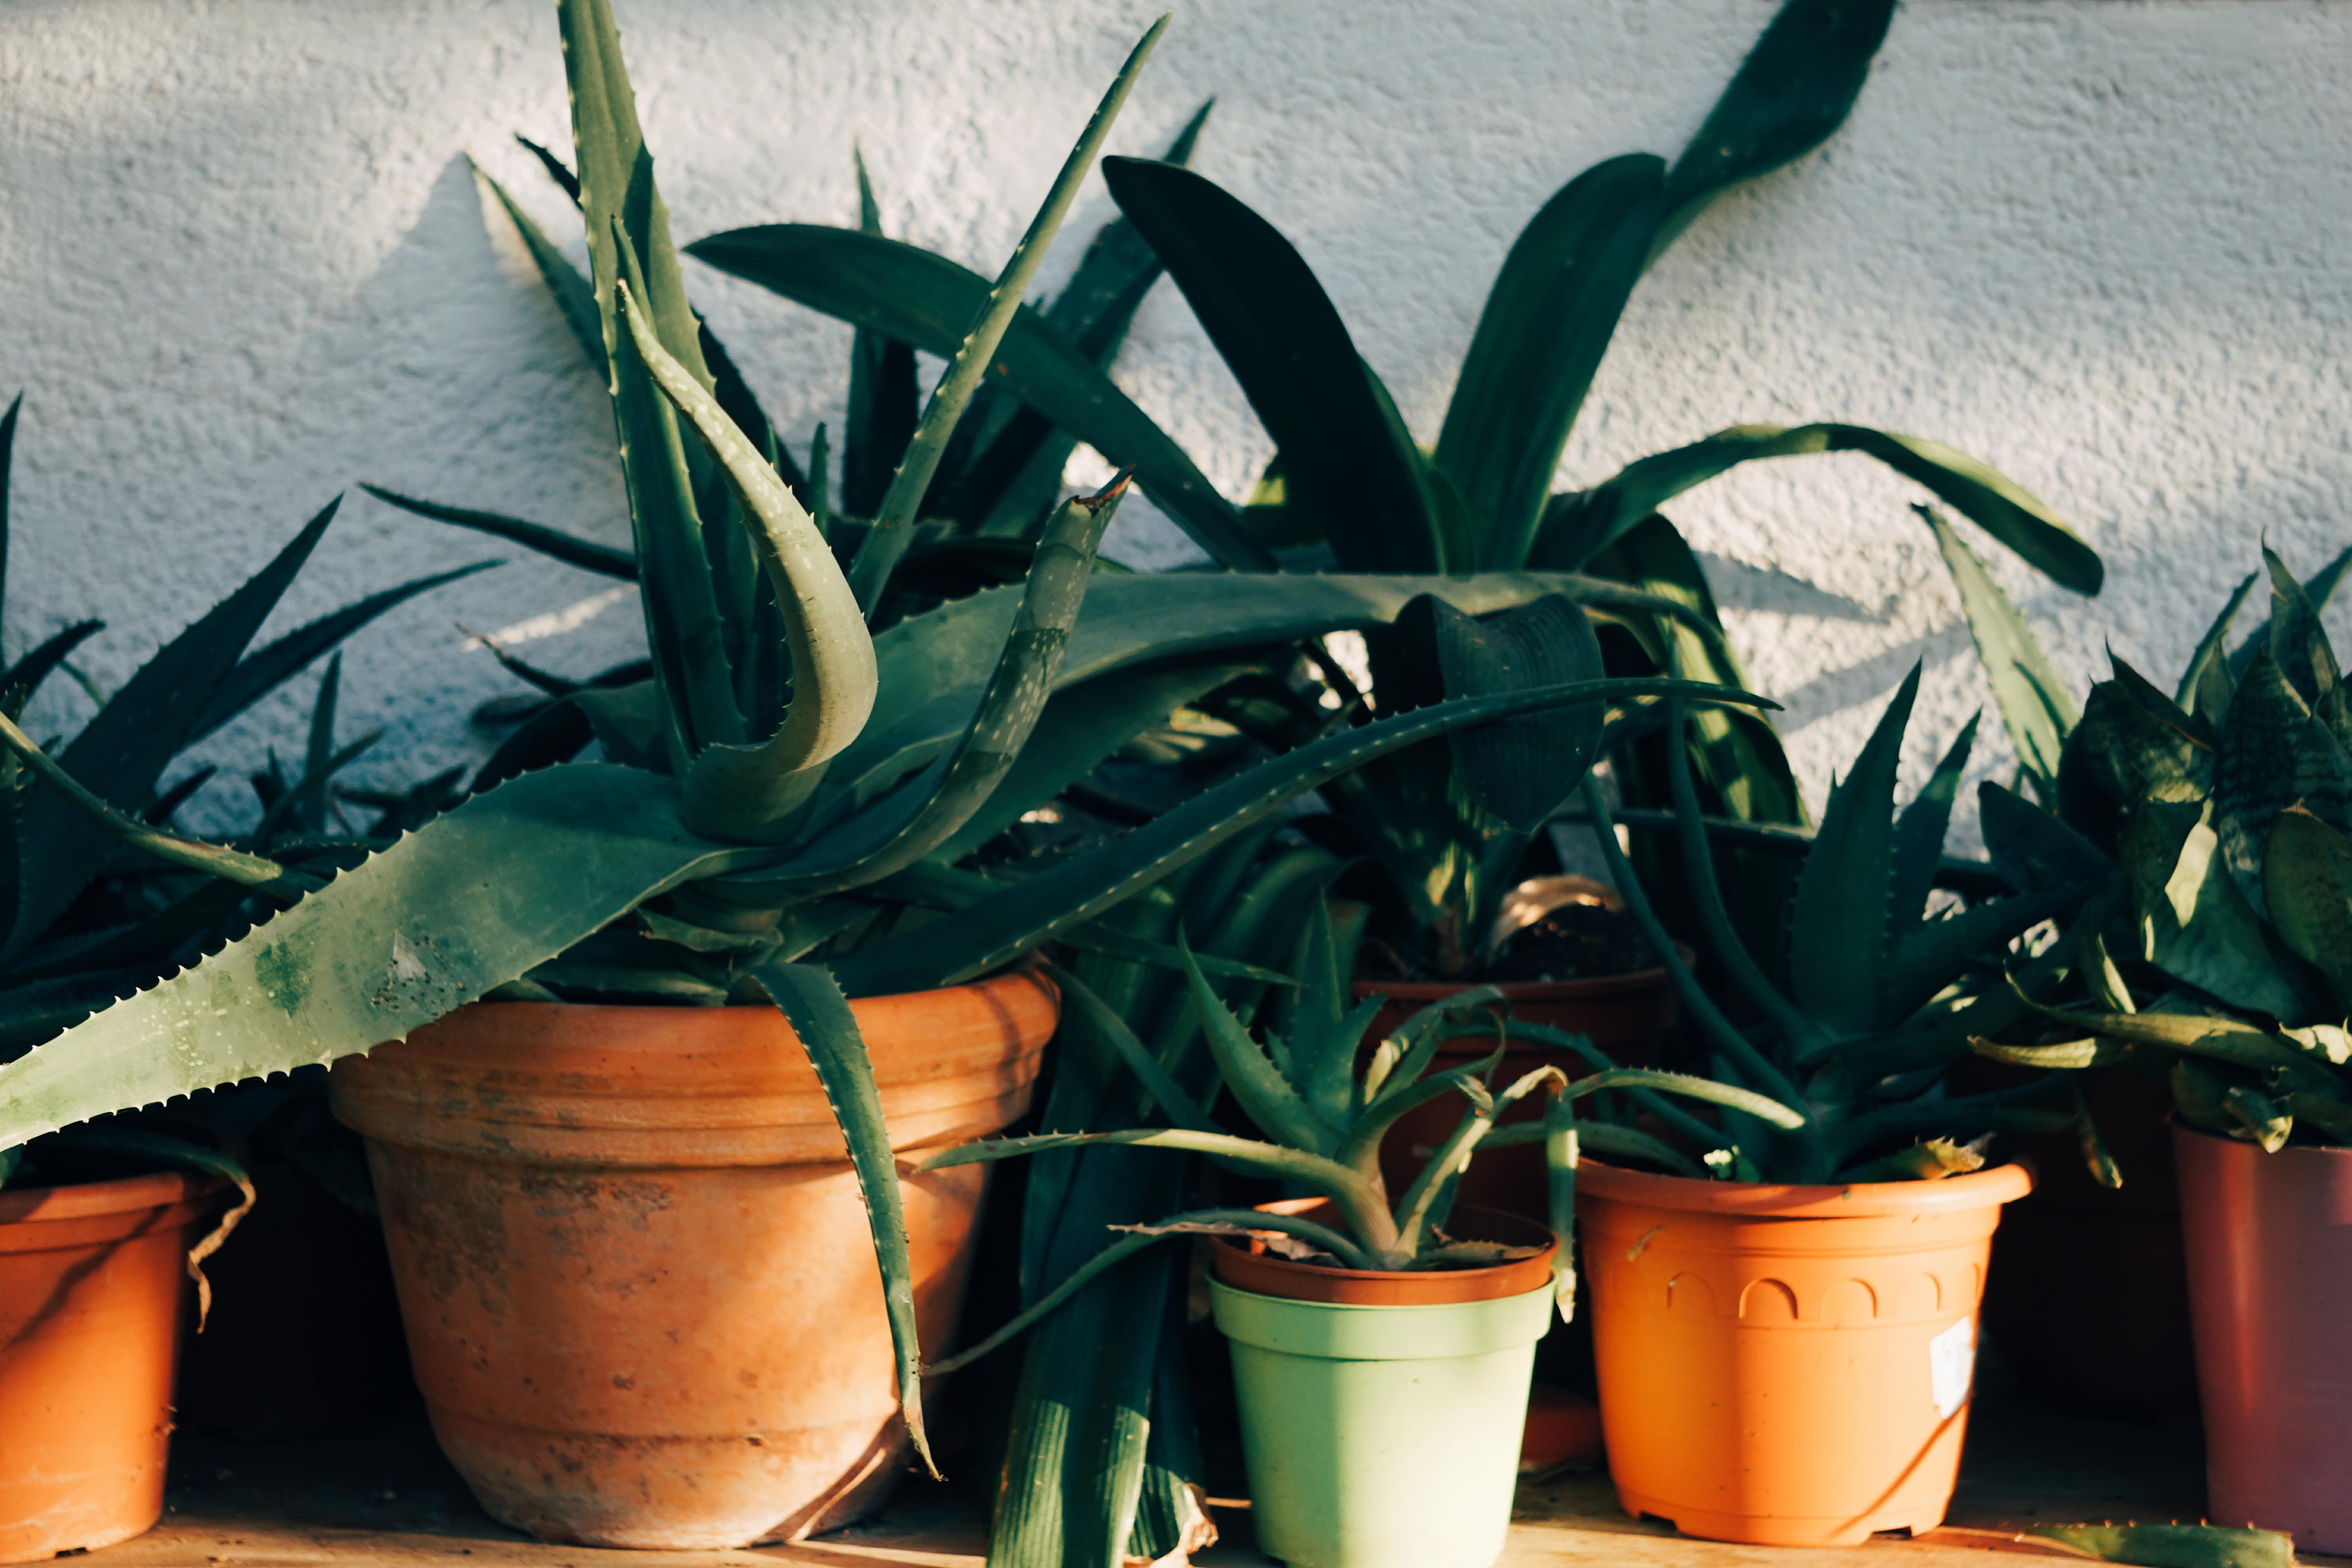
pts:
pixel 1628 1015
pixel 2270 1291
pixel 2088 1302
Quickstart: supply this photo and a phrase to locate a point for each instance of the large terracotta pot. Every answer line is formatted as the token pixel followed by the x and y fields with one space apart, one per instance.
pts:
pixel 1628 1015
pixel 93 1283
pixel 636 1276
pixel 2270 1278
pixel 1789 1366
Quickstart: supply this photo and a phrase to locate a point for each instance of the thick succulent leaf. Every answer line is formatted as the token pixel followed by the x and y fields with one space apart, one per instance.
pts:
pixel 2026 687
pixel 8 464
pixel 1343 467
pixel 743 791
pixel 929 811
pixel 1792 92
pixel 1541 335
pixel 2174 1545
pixel 1265 1094
pixel 2032 848
pixel 827 1030
pixel 504 882
pixel 1839 921
pixel 1082 887
pixel 604 560
pixel 2297 640
pixel 573 295
pixel 883 401
pixel 1939 953
pixel 2307 883
pixel 893 528
pixel 2145 692
pixel 2195 924
pixel 123 750
pixel 1521 771
pixel 1984 496
pixel 2135 755
pixel 909 294
pixel 2273 754
pixel 2205 685
pixel 2317 589
pixel 557 169
pixel 1919 831
pixel 38 664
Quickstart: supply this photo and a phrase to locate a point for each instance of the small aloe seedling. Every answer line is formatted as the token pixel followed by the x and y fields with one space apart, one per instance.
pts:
pixel 1325 1116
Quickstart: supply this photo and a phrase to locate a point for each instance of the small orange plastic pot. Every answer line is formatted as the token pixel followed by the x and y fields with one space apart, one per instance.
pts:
pixel 93 1282
pixel 633 1268
pixel 1786 1365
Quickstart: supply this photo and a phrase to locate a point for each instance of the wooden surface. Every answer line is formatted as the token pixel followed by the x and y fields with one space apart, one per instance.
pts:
pixel 391 1502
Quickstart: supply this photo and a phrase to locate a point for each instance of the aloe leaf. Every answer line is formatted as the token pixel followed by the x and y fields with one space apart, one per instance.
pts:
pixel 2026 687
pixel 894 523
pixel 474 899
pixel 7 466
pixel 883 401
pixel 1919 830
pixel 123 750
pixel 1541 334
pixel 827 1030
pixel 604 560
pixel 1984 496
pixel 908 293
pixel 1276 331
pixel 730 790
pixel 1082 887
pixel 2032 848
pixel 1521 771
pixel 2206 684
pixel 28 673
pixel 1102 1021
pixel 1838 958
pixel 1265 1096
pixel 1791 93
pixel 573 295
pixel 1331 1180
pixel 1932 955
pixel 2174 1545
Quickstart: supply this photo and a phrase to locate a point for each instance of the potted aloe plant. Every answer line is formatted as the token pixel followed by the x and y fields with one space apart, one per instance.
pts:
pixel 596 971
pixel 2218 966
pixel 1349 488
pixel 1382 1342
pixel 104 1229
pixel 1715 1278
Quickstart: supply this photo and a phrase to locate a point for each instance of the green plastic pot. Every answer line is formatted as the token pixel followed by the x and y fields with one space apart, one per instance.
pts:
pixel 1381 1437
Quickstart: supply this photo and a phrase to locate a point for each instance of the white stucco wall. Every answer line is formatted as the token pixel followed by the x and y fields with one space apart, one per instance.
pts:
pixel 2105 245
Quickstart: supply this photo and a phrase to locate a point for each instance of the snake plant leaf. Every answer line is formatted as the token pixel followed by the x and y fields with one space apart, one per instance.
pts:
pixel 2032 848
pixel 1976 491
pixel 1794 89
pixel 1838 959
pixel 2194 923
pixel 1919 831
pixel 2318 590
pixel 1079 889
pixel 1343 465
pixel 935 806
pixel 507 881
pixel 910 294
pixel 893 528
pixel 1541 334
pixel 2174 1545
pixel 604 560
pixel 2095 1051
pixel 2145 692
pixel 123 750
pixel 827 1030
pixel 2134 755
pixel 1522 770
pixel 2307 885
pixel 2274 753
pixel 574 296
pixel 742 792
pixel 2206 684
pixel 1081 727
pixel 2026 687
pixel 2297 641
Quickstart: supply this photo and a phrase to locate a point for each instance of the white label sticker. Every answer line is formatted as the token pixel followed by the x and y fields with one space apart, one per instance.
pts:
pixel 1952 1366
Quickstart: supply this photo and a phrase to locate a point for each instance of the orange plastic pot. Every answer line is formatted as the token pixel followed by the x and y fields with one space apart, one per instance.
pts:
pixel 634 1272
pixel 1788 1366
pixel 93 1281
pixel 2270 1271
pixel 1628 1015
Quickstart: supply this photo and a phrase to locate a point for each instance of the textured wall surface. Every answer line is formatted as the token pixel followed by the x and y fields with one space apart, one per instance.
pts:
pixel 2105 245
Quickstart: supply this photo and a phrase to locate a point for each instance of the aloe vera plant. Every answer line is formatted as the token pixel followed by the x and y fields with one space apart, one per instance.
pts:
pixel 782 801
pixel 1349 488
pixel 2219 958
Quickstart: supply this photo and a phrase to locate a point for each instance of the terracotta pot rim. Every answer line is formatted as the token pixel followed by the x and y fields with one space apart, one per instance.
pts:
pixel 2180 1127
pixel 123 1194
pixel 1524 990
pixel 1023 971
pixel 1347 1286
pixel 1855 1200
